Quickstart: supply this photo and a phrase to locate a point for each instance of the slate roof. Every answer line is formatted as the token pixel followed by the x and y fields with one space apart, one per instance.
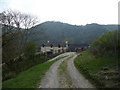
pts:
pixel 53 44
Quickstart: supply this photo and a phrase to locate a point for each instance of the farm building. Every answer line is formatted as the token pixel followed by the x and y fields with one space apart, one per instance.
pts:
pixel 51 48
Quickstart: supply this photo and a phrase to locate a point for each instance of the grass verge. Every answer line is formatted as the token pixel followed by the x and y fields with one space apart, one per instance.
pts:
pixel 64 78
pixel 22 64
pixel 101 71
pixel 29 78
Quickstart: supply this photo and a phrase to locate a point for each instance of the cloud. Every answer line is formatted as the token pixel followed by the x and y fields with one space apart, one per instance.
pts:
pixel 70 11
pixel 4 5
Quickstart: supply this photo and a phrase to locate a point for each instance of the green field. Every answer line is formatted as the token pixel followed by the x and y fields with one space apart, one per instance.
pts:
pixel 101 71
pixel 29 78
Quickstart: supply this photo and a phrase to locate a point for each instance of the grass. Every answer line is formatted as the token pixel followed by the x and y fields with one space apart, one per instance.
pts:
pixel 30 78
pixel 101 71
pixel 22 64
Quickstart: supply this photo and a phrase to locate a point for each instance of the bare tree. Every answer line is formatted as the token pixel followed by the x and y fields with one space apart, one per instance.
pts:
pixel 28 22
pixel 15 30
pixel 13 22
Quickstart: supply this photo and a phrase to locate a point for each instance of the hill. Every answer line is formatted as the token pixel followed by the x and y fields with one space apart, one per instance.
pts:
pixel 60 32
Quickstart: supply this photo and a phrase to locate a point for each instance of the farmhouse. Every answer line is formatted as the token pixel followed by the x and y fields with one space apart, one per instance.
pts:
pixel 51 48
pixel 77 47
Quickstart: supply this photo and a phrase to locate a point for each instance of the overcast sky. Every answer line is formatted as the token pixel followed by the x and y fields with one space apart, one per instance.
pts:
pixel 79 12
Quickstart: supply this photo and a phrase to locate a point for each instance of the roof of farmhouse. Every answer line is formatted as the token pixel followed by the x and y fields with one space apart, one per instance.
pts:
pixel 54 44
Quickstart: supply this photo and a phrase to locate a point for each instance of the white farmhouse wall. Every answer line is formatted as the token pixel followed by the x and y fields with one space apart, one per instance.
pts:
pixel 54 49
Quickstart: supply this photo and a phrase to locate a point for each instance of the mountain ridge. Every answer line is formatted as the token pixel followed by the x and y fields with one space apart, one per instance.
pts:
pixel 58 32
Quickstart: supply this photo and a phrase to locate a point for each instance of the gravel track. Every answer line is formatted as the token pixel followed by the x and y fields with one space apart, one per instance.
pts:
pixel 78 79
pixel 51 79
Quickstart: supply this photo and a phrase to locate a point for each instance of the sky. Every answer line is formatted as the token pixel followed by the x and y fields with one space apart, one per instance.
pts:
pixel 76 12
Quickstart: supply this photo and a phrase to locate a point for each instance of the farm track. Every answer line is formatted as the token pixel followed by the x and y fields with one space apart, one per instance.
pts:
pixel 63 74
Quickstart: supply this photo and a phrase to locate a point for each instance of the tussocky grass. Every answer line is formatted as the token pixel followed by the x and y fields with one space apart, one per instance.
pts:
pixel 101 71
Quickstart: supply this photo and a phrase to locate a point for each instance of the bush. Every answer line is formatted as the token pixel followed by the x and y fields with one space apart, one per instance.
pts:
pixel 106 45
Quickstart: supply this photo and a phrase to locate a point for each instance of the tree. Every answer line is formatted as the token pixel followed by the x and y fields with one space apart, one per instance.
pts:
pixel 29 49
pixel 107 44
pixel 15 30
pixel 13 22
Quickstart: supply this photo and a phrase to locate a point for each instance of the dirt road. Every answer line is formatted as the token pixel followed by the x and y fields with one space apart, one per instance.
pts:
pixel 69 76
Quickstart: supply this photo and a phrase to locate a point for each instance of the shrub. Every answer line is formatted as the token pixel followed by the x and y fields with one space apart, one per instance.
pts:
pixel 106 45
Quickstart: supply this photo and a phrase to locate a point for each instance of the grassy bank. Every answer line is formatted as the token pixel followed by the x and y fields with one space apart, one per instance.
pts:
pixel 101 71
pixel 22 64
pixel 29 78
